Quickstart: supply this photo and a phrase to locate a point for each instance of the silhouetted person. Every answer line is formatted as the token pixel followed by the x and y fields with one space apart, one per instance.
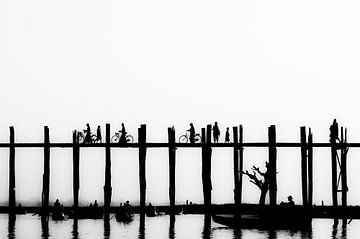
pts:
pixel 227 136
pixel 216 132
pixel 127 207
pixel 192 133
pixel 334 132
pixel 123 134
pixel 57 204
pixel 98 134
pixel 95 206
pixel 87 134
pixel 290 202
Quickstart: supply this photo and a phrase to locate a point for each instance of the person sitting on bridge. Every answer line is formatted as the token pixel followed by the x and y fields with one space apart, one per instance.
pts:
pixel 123 134
pixel 192 133
pixel 290 202
pixel 88 134
pixel 98 134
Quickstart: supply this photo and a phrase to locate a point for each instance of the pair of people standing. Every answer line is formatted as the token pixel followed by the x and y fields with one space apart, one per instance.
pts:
pixel 216 133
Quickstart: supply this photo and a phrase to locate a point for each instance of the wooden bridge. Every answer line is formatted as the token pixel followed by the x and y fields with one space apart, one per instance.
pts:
pixel 338 147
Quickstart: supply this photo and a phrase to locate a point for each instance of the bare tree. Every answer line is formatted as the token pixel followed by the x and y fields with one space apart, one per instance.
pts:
pixel 262 184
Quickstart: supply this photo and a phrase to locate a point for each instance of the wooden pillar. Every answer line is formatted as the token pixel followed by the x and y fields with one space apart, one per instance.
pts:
pixel 238 165
pixel 272 165
pixel 107 186
pixel 304 168
pixel 334 171
pixel 206 168
pixel 343 169
pixel 12 199
pixel 76 164
pixel 310 168
pixel 46 174
pixel 142 163
pixel 172 162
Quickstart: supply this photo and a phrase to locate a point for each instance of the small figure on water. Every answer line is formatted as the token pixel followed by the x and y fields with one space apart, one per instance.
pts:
pixel 98 134
pixel 227 135
pixel 57 204
pixel 95 206
pixel 192 133
pixel 216 132
pixel 290 202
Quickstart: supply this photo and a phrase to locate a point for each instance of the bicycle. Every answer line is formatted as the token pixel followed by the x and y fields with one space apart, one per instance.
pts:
pixel 82 136
pixel 117 136
pixel 186 137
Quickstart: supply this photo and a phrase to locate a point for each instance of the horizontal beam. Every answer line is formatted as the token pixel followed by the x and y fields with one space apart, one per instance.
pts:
pixel 179 145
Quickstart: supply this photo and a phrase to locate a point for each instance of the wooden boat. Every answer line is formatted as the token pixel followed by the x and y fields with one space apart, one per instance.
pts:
pixel 122 216
pixel 278 219
pixel 58 216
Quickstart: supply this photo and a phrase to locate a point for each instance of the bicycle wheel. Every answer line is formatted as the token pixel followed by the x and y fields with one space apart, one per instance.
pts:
pixel 93 138
pixel 129 139
pixel 183 139
pixel 115 139
pixel 81 138
pixel 197 139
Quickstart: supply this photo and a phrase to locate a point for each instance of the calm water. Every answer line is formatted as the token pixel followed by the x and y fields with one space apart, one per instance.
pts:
pixel 185 227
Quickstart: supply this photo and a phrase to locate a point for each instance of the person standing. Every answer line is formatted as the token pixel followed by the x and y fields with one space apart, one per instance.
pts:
pixel 227 135
pixel 216 132
pixel 98 134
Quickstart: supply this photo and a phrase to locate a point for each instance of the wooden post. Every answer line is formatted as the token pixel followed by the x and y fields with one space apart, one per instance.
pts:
pixel 238 166
pixel 304 168
pixel 107 186
pixel 76 164
pixel 172 155
pixel 206 168
pixel 344 187
pixel 334 171
pixel 46 174
pixel 272 165
pixel 241 163
pixel 12 199
pixel 142 163
pixel 310 168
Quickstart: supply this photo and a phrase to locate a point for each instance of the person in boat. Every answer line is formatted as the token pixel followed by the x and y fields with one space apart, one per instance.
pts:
pixel 128 207
pixel 227 136
pixel 290 202
pixel 216 132
pixel 192 133
pixel 57 204
pixel 123 134
pixel 95 206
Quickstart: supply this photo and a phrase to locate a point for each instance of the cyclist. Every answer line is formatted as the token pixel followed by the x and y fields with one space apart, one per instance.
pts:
pixel 88 134
pixel 123 134
pixel 192 133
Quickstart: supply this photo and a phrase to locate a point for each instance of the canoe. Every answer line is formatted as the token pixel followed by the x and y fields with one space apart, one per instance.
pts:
pixel 291 221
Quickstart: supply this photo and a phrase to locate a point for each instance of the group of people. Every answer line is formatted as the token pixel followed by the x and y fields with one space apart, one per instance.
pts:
pixel 216 133
pixel 88 138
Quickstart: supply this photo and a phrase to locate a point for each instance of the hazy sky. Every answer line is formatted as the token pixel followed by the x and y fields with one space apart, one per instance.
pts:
pixel 164 63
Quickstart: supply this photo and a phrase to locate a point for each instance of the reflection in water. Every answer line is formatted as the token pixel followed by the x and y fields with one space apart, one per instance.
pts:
pixel 106 228
pixel 206 233
pixel 272 234
pixel 11 227
pixel 343 230
pixel 172 227
pixel 44 227
pixel 142 226
pixel 75 232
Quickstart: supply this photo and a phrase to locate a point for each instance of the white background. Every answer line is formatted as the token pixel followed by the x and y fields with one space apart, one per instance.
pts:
pixel 163 63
